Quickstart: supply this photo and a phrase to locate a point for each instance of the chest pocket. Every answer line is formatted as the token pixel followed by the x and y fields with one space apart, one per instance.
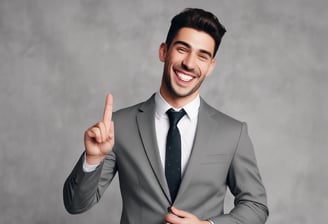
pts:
pixel 215 159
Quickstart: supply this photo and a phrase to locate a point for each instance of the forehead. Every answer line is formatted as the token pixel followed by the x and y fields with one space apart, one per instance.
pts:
pixel 198 40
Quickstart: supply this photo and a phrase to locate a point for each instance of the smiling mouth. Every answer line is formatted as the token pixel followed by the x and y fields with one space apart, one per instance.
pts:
pixel 184 77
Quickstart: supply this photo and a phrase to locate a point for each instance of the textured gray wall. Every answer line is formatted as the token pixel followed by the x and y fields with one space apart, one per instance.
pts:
pixel 59 58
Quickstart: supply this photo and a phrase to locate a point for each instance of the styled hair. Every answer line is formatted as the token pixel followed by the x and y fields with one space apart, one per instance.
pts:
pixel 198 19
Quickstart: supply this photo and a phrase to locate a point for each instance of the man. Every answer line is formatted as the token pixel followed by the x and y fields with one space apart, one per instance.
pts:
pixel 212 150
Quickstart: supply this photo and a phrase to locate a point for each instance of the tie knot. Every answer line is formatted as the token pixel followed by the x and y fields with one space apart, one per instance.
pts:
pixel 175 116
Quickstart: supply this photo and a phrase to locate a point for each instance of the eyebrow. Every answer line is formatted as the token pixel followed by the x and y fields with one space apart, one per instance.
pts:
pixel 189 46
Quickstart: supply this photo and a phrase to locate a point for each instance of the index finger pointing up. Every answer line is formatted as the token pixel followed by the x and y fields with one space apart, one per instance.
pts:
pixel 107 118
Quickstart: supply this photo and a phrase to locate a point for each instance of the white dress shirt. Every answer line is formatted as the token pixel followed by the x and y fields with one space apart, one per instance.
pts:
pixel 187 127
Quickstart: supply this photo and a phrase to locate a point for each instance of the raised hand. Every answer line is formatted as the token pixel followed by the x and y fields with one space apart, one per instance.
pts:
pixel 99 139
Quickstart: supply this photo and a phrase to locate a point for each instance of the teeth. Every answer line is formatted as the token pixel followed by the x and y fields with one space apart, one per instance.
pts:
pixel 184 77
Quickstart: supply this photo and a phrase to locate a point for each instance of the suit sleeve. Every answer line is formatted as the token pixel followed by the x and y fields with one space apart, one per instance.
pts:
pixel 244 182
pixel 82 190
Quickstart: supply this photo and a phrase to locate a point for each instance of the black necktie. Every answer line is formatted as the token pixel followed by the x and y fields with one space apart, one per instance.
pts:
pixel 173 153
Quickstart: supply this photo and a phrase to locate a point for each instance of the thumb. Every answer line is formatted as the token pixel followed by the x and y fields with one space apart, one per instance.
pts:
pixel 179 212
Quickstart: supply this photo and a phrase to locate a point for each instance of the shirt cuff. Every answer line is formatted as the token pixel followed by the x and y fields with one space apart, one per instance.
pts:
pixel 87 167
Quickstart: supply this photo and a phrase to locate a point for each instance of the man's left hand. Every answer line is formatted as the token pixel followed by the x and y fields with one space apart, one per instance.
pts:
pixel 177 216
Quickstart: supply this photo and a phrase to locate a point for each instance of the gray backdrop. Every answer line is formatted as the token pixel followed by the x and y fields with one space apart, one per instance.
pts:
pixel 59 58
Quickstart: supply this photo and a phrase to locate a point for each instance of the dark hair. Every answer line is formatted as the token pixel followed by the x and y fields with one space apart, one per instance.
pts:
pixel 198 19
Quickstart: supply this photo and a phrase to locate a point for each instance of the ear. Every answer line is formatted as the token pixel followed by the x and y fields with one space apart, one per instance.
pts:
pixel 162 52
pixel 211 67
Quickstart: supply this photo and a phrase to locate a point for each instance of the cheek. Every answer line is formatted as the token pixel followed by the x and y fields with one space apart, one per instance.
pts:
pixel 175 58
pixel 205 68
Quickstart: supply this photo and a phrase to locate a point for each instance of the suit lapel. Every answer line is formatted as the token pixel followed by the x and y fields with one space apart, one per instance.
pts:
pixel 146 126
pixel 205 127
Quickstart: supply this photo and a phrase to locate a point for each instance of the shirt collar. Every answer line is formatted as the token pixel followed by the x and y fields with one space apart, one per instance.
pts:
pixel 161 106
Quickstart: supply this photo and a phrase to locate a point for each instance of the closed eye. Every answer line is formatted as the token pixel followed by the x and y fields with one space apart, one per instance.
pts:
pixel 204 57
pixel 182 49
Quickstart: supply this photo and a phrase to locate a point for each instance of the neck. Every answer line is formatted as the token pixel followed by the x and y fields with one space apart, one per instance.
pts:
pixel 177 101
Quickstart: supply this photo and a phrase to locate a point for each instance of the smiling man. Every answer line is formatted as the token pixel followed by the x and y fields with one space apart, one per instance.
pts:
pixel 175 154
pixel 187 61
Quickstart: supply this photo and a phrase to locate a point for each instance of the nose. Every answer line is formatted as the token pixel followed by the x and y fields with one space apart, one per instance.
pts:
pixel 188 62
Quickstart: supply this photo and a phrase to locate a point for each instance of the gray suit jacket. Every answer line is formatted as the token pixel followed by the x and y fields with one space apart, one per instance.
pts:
pixel 222 156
